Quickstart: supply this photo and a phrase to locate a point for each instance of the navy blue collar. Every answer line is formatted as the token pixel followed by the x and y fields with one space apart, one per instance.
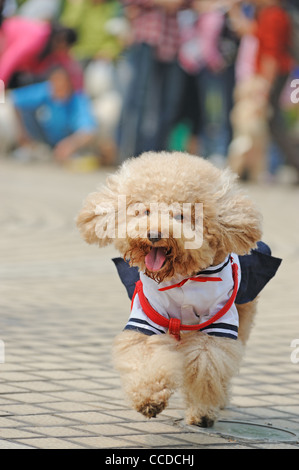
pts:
pixel 214 271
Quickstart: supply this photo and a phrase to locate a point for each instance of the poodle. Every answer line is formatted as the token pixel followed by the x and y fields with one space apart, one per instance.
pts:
pixel 185 231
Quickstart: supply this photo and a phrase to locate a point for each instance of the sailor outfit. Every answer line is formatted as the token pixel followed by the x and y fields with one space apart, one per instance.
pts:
pixel 197 300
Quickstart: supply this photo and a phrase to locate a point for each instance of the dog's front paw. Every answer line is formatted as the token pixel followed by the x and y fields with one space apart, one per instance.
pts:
pixel 151 406
pixel 152 409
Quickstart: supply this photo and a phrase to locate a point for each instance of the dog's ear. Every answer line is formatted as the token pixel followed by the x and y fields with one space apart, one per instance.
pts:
pixel 97 220
pixel 239 219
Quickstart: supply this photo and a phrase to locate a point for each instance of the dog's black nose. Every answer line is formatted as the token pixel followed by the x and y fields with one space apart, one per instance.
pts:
pixel 154 236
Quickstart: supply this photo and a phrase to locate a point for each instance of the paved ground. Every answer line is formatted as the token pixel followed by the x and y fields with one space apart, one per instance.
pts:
pixel 61 305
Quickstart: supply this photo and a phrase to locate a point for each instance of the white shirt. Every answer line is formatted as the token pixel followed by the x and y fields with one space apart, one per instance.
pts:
pixel 193 303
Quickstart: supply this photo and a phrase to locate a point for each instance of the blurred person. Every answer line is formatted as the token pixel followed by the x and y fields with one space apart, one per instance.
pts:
pixel 20 44
pixel 273 29
pixel 248 150
pixel 54 114
pixel 153 95
pixel 250 146
pixel 246 59
pixel 47 10
pixel 28 49
pixel 10 8
pixel 2 15
pixel 292 7
pixel 199 46
pixel 90 18
pixel 101 28
pixel 58 51
pixel 209 54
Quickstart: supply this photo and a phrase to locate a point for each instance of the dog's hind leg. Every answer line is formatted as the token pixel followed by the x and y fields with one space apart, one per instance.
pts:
pixel 247 314
pixel 150 368
pixel 209 365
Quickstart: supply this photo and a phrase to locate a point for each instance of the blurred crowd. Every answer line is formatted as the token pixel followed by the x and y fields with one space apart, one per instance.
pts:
pixel 90 82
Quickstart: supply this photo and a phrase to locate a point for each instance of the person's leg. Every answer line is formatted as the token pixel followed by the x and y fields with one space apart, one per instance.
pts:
pixel 32 141
pixel 172 88
pixel 150 122
pixel 229 82
pixel 162 104
pixel 211 109
pixel 130 126
pixel 32 126
pixel 214 105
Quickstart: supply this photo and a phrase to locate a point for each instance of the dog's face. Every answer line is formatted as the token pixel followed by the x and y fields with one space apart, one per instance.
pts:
pixel 164 239
pixel 171 214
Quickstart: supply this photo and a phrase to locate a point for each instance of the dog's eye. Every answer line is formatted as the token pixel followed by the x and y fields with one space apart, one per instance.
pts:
pixel 147 212
pixel 141 213
pixel 179 217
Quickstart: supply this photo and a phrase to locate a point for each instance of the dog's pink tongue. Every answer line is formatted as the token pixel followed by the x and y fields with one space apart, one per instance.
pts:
pixel 155 259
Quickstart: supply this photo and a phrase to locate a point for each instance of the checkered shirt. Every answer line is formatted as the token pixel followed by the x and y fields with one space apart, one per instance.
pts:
pixel 155 27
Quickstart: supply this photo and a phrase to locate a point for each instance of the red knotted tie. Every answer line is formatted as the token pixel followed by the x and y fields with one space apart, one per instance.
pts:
pixel 196 279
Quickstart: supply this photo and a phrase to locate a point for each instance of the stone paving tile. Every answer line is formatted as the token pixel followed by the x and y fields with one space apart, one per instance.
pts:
pixel 107 430
pixel 50 443
pixel 283 446
pixel 8 422
pixel 17 433
pixel 56 431
pixel 155 440
pixel 45 420
pixel 59 313
pixel 200 439
pixel 154 427
pixel 95 417
pixel 101 442
pixel 21 409
pixel 7 445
